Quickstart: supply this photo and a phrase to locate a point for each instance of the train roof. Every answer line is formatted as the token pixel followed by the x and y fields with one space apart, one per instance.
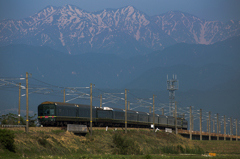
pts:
pixel 64 104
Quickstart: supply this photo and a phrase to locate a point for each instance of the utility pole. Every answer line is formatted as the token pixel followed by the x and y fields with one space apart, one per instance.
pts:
pixel 200 120
pixel 220 123
pixel 213 126
pixel 100 101
pixel 190 122
pixel 217 127
pixel 128 105
pixel 207 125
pixel 224 127
pixel 153 115
pixel 176 130
pixel 209 129
pixel 27 124
pixel 162 111
pixel 125 110
pixel 230 128
pixel 236 131
pixel 19 103
pixel 91 108
pixel 64 96
pixel 220 127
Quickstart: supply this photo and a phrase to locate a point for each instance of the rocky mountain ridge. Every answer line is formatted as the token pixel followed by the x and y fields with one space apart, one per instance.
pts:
pixel 125 31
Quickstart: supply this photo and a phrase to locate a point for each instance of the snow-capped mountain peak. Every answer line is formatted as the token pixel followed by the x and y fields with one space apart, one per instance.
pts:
pixel 124 30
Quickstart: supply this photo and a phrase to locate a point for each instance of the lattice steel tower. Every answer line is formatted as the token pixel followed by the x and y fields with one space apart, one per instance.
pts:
pixel 172 85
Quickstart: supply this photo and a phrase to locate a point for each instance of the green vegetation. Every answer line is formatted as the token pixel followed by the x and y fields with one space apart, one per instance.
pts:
pixel 125 146
pixel 12 119
pixel 7 140
pixel 179 149
pixel 43 142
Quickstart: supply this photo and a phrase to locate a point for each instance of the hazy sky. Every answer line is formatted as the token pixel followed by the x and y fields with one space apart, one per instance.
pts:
pixel 222 10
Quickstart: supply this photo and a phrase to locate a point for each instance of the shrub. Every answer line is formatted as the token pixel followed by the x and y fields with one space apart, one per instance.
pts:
pixel 7 139
pixel 126 146
pixel 43 141
pixel 57 132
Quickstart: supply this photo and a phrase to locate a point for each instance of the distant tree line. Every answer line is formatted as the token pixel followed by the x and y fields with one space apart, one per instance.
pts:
pixel 12 119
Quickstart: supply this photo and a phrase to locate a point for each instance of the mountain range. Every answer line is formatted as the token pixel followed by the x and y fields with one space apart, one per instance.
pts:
pixel 124 31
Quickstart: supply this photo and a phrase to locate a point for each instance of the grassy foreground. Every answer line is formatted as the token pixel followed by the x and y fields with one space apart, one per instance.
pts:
pixel 137 143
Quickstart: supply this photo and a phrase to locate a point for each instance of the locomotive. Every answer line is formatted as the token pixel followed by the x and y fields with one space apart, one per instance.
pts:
pixel 61 114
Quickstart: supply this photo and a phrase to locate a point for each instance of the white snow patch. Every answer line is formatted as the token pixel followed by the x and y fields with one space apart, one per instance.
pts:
pixel 137 35
pixel 70 8
pixel 144 20
pixel 202 39
pixel 90 42
pixel 81 36
pixel 79 12
pixel 169 32
pixel 73 35
pixel 130 10
pixel 174 27
pixel 91 29
pixel 99 19
pixel 116 17
pixel 104 13
pixel 44 38
pixel 50 19
pixel 61 39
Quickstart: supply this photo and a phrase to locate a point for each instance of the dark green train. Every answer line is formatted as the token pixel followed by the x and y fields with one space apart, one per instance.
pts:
pixel 61 114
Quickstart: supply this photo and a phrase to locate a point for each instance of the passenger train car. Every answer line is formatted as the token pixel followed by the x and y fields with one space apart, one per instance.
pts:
pixel 61 114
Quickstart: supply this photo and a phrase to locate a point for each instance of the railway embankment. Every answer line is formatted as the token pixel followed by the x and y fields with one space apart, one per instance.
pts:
pixel 42 142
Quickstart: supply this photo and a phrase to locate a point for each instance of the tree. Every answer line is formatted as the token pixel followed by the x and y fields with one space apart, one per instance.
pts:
pixel 12 119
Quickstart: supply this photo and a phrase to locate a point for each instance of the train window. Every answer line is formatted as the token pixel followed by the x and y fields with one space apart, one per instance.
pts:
pixel 51 111
pixel 48 110
pixel 40 111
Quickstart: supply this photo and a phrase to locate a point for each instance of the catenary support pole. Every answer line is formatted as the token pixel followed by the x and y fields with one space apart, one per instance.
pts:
pixel 19 103
pixel 213 126
pixel 27 123
pixel 153 115
pixel 100 101
pixel 209 129
pixel 175 114
pixel 230 128
pixel 207 125
pixel 224 127
pixel 91 109
pixel 217 127
pixel 200 120
pixel 64 95
pixel 236 131
pixel 125 110
pixel 190 122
